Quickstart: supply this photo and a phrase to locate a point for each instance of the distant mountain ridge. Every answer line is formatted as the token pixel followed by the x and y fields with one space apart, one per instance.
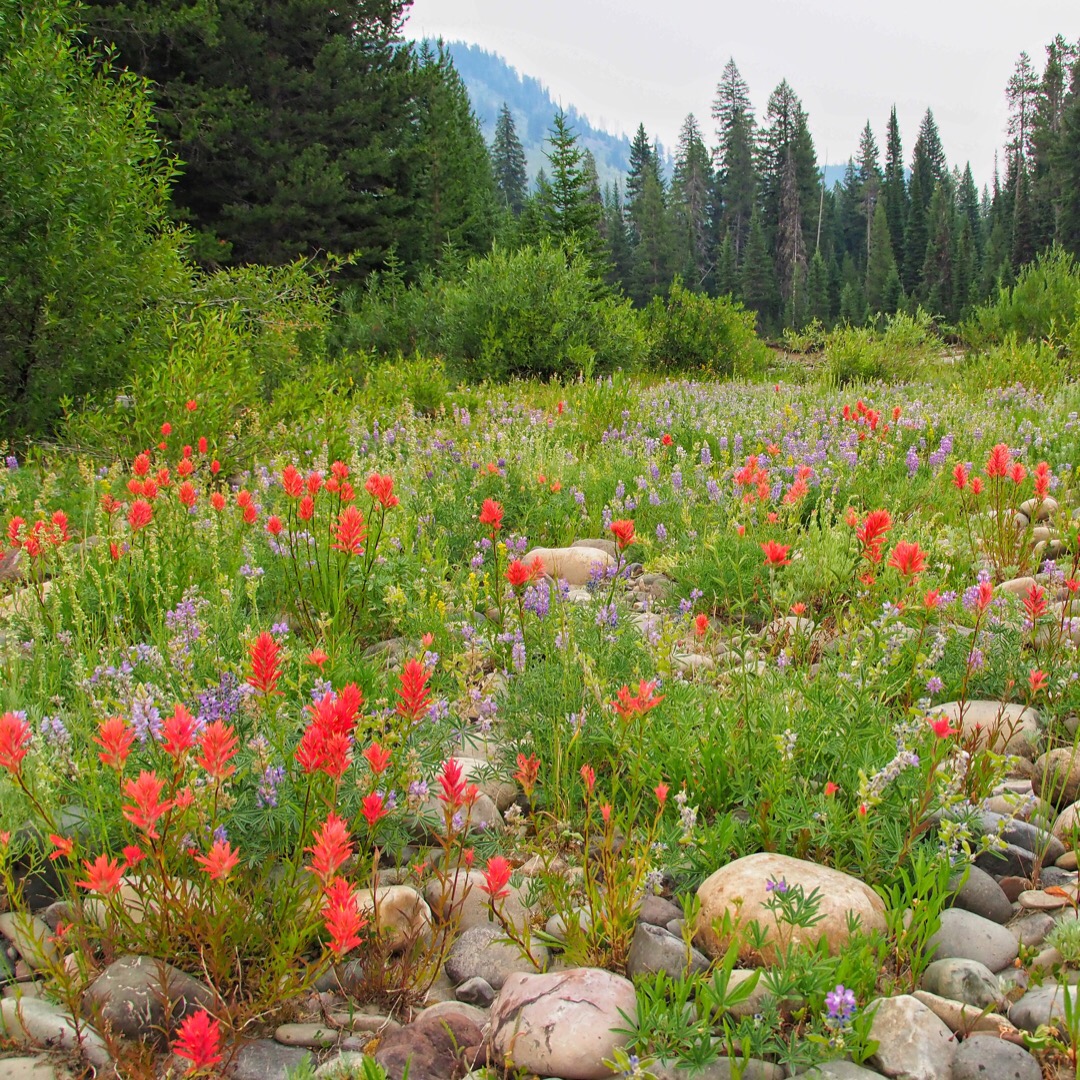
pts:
pixel 491 80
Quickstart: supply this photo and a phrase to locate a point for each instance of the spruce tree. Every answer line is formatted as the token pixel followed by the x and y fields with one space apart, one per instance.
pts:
pixel 894 188
pixel 736 176
pixel 819 302
pixel 881 273
pixel 508 163
pixel 642 163
pixel 1067 159
pixel 295 121
pixel 938 273
pixel 870 180
pixel 569 207
pixel 758 276
pixel 652 258
pixel 727 270
pixel 1047 188
pixel 616 239
pixel 1021 94
pixel 690 187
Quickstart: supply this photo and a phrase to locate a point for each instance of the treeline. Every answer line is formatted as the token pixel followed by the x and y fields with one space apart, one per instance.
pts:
pixel 302 129
pixel 749 215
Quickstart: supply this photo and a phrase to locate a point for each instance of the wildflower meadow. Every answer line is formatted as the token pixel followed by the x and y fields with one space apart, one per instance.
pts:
pixel 609 725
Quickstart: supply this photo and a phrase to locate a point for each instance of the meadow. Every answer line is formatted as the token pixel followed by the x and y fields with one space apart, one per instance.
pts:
pixel 292 708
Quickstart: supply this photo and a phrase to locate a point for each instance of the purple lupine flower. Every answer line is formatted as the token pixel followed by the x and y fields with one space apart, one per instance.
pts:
pixel 840 1004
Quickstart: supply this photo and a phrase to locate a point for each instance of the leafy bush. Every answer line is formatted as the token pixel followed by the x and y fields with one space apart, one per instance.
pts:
pixel 90 264
pixel 535 312
pixel 1043 304
pixel 692 330
pixel 859 354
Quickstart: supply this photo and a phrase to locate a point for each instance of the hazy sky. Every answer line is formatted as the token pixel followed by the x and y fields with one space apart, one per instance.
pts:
pixel 621 62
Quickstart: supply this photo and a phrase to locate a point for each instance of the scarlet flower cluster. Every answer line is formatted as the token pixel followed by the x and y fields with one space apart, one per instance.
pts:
pixel 871 534
pixel 42 535
pixel 265 665
pixel 908 558
pixel 327 741
pixel 14 740
pixel 623 531
pixel 414 696
pixel 639 704
pixel 754 478
pixel 862 414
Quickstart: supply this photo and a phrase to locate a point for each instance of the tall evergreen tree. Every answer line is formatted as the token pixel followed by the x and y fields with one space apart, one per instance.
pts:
pixel 642 163
pixel 736 176
pixel 570 210
pixel 882 278
pixel 652 260
pixel 727 270
pixel 455 200
pixel 690 187
pixel 295 120
pixel 758 276
pixel 894 188
pixel 789 182
pixel 1048 189
pixel 1022 96
pixel 870 180
pixel 938 273
pixel 927 170
pixel 1067 159
pixel 616 238
pixel 508 163
pixel 819 302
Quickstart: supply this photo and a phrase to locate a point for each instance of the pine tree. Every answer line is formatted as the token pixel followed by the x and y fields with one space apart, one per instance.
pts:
pixel 870 181
pixel 690 187
pixel 819 302
pixel 642 164
pixel 295 121
pixel 965 268
pixel 1021 94
pixel 652 262
pixel 758 276
pixel 616 239
pixel 508 163
pixel 455 201
pixel 727 270
pixel 881 274
pixel 1067 160
pixel 736 176
pixel 938 273
pixel 789 183
pixel 967 207
pixel 570 210
pixel 927 170
pixel 894 188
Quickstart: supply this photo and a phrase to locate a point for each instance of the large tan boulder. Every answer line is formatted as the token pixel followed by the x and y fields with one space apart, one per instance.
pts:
pixel 573 564
pixel 398 912
pixel 562 1023
pixel 1057 776
pixel 739 890
pixel 1004 727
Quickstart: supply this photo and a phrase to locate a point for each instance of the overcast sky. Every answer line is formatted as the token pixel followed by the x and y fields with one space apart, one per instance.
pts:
pixel 621 62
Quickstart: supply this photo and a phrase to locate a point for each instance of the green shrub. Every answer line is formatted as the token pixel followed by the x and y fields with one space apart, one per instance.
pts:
pixel 90 263
pixel 535 312
pixel 860 354
pixel 1044 304
pixel 1035 364
pixel 691 330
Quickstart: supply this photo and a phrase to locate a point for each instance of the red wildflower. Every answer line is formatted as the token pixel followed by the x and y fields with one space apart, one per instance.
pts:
pixel 1037 680
pixel 496 878
pixel 326 743
pixel 140 514
pixel 274 525
pixel 997 464
pixel 217 744
pixel 776 554
pixel 452 782
pixel 132 855
pixel 166 428
pixel 1042 480
pixel 342 917
pixel 940 726
pixel 528 771
pixel 519 575
pixel 666 439
pixel 1034 601
pixel 908 558
pixel 413 693
pixel 63 845
pixel 202 444
pixel 306 510
pixel 317 658
pixel 331 848
pixel 798 608
pixel 373 809
pixel 217 501
pixel 977 486
pixel 871 534
pixel 220 861
pixel 377 758
pixel 150 489
pixel 350 532
pixel 1017 472
pixel 984 596
pixel 588 774
pixel 115 738
pixel 292 482
pixel 381 489
pixel 13 528
pixel 932 599
pixel 178 732
pixel 251 514
pixel 661 792
pixel 185 466
pixel 199 1040
pixel 701 625
pixel 623 532
pixel 14 737
pixel 491 514
pixel 605 813
pixel 638 705
pixel 265 668
pixel 102 875
pixel 831 788
pixel 147 805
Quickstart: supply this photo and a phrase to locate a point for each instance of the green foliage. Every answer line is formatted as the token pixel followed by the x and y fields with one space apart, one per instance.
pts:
pixel 535 312
pixel 90 266
pixel 689 330
pixel 1044 303
pixel 857 354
